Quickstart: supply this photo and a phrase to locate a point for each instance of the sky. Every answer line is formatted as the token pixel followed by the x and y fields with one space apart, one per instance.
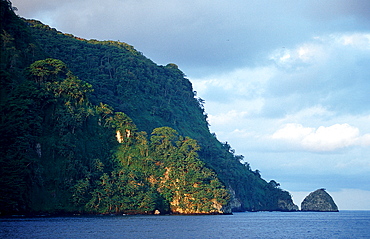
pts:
pixel 286 83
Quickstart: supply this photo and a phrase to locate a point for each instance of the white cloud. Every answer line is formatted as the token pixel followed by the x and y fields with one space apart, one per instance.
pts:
pixel 323 138
pixel 302 55
pixel 292 132
pixel 357 40
pixel 320 48
pixel 331 138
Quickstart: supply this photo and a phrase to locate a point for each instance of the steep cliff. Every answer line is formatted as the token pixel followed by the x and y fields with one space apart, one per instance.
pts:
pixel 319 201
pixel 287 205
pixel 44 131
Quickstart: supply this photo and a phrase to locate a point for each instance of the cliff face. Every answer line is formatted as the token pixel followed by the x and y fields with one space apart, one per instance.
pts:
pixel 319 201
pixel 234 204
pixel 287 205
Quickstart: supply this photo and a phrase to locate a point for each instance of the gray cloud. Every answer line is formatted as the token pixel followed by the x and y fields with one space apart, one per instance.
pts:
pixel 200 36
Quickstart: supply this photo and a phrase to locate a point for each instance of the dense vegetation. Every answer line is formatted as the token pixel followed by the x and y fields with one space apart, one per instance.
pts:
pixel 95 127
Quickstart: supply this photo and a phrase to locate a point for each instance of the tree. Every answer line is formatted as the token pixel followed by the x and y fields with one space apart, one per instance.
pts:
pixel 48 70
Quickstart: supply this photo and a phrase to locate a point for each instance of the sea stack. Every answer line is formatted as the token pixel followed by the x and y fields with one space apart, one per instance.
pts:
pixel 319 201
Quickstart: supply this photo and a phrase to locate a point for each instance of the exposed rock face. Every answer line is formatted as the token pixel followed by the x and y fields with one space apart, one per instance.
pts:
pixel 234 204
pixel 319 201
pixel 287 205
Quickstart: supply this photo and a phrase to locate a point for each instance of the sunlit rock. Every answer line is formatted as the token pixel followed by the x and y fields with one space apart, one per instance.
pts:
pixel 119 136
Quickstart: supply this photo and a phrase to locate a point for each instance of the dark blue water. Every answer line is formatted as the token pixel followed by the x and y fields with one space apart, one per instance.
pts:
pixel 345 224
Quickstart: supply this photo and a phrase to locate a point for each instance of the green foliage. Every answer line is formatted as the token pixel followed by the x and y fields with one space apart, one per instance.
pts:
pixel 153 96
pixel 151 176
pixel 186 183
pixel 47 70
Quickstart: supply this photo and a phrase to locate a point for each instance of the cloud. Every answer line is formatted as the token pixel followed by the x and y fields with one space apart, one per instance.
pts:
pixel 357 40
pixel 330 71
pixel 322 139
pixel 303 55
pixel 238 84
pixel 322 82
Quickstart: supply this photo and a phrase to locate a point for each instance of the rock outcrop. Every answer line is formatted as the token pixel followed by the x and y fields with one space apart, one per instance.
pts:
pixel 319 201
pixel 287 206
pixel 234 204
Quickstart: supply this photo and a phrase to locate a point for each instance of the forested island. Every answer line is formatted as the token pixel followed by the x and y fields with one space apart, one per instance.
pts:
pixel 95 127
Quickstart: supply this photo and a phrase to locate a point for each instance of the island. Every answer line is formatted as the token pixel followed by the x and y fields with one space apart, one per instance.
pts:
pixel 319 201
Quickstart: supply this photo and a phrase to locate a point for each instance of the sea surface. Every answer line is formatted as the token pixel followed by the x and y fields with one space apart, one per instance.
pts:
pixel 343 224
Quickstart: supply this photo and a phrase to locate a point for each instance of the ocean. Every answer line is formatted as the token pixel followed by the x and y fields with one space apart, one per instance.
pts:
pixel 343 224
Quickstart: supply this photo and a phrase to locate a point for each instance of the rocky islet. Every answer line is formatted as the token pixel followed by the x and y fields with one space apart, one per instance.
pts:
pixel 319 201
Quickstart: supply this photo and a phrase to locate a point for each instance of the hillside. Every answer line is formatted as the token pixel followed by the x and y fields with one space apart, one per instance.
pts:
pixel 67 147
